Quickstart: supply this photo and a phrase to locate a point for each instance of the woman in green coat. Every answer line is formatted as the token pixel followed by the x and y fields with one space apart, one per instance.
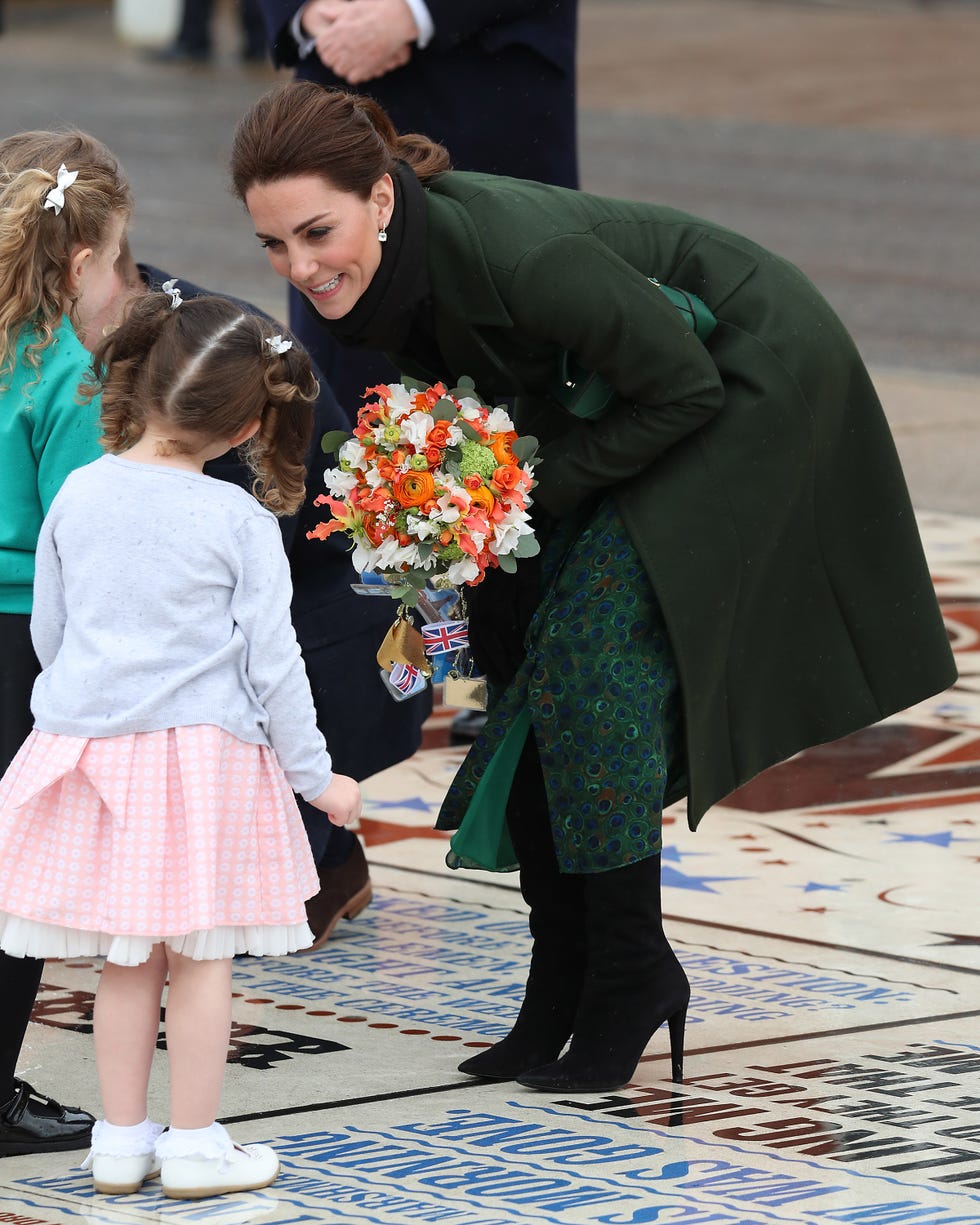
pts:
pixel 731 569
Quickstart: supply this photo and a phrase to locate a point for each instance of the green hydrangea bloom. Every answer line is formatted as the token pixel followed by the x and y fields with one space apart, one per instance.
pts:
pixel 476 459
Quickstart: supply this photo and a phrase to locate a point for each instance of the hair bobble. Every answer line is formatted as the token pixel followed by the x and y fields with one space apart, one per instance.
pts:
pixel 170 287
pixel 278 345
pixel 55 198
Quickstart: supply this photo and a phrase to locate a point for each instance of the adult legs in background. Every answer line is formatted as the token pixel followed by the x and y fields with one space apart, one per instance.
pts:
pixel 557 925
pixel 194 34
pixel 253 30
pixel 29 1123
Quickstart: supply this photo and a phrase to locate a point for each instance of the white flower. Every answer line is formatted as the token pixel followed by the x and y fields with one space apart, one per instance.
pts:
pixel 415 428
pixel 399 401
pixel 499 421
pixel 339 483
pixel 462 571
pixel 352 452
pixel 508 531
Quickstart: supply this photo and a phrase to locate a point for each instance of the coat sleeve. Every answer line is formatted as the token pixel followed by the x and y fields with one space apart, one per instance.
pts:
pixel 579 294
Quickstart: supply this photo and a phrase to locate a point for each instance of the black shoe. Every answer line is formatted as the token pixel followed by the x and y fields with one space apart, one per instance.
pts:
pixel 33 1123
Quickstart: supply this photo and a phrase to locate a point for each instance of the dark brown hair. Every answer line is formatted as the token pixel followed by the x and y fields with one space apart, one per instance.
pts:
pixel 205 368
pixel 348 140
pixel 35 242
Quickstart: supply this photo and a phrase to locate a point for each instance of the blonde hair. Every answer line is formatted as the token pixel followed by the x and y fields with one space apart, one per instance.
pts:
pixel 205 368
pixel 347 139
pixel 36 244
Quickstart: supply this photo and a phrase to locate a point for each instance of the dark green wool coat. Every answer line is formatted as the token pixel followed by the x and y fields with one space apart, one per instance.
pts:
pixel 756 474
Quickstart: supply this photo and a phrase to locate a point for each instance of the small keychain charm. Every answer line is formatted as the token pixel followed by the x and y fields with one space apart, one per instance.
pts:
pixel 467 691
pixel 403 645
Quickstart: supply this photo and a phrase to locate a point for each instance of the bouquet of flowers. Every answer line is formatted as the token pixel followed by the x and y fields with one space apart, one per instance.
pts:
pixel 433 489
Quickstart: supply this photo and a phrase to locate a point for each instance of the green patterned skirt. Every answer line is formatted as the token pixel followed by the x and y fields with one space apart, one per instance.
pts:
pixel 599 688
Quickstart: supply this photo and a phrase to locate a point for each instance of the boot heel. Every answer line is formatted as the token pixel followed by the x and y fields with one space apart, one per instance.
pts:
pixel 676 1025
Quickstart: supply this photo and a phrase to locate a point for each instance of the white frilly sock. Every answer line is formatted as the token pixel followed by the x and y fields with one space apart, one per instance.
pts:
pixel 206 1142
pixel 111 1140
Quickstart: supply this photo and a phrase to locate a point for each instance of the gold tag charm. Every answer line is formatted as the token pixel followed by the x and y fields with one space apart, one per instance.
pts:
pixel 403 645
pixel 469 692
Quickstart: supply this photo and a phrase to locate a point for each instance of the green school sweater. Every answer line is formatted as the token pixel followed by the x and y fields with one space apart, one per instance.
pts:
pixel 44 434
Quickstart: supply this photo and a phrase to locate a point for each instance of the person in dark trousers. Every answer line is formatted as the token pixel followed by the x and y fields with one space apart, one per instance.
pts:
pixel 194 42
pixel 730 572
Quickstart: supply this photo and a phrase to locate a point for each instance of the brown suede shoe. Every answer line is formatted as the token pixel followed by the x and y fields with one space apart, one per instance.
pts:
pixel 344 892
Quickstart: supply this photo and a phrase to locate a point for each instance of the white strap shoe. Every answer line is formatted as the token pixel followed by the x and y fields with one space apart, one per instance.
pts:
pixel 213 1164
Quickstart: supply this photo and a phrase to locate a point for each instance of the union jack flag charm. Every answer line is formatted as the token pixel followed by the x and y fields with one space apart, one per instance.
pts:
pixel 404 681
pixel 445 637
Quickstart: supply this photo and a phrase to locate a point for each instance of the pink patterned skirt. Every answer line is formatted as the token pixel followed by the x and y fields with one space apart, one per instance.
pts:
pixel 186 836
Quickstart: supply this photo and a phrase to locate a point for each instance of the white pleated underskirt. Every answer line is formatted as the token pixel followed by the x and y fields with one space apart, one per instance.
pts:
pixel 47 941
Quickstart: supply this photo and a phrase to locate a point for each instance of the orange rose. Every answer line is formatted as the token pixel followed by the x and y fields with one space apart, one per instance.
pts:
pixel 506 477
pixel 415 488
pixel 501 447
pixel 438 436
pixel 433 455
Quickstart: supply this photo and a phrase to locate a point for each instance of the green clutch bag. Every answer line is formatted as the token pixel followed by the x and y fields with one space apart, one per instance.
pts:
pixel 586 394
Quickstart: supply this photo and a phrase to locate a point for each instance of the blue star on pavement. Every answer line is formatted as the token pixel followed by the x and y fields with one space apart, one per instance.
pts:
pixel 673 855
pixel 416 803
pixel 671 878
pixel 813 886
pixel 941 839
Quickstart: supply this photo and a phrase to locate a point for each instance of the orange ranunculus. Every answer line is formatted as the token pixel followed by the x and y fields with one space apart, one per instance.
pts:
pixel 415 488
pixel 482 498
pixel 506 477
pixel 501 447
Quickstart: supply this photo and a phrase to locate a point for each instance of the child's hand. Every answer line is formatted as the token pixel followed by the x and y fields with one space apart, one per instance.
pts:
pixel 341 801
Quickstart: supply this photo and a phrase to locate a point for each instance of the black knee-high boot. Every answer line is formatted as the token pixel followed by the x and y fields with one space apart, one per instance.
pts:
pixel 554 982
pixel 633 983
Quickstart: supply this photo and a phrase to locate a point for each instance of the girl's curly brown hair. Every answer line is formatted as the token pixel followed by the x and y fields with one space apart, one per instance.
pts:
pixel 205 369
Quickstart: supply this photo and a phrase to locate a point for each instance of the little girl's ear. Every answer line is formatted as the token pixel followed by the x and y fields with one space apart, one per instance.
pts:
pixel 245 433
pixel 76 265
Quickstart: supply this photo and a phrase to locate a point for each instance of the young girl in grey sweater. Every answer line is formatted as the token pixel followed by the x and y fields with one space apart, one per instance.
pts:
pixel 149 817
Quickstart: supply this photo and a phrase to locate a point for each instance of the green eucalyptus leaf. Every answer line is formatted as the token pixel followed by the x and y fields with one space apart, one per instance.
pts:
pixel 469 432
pixel 525 447
pixel 331 442
pixel 508 564
pixel 527 546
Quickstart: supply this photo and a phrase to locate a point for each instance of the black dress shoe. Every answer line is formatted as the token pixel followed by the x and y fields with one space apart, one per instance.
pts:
pixel 33 1123
pixel 344 892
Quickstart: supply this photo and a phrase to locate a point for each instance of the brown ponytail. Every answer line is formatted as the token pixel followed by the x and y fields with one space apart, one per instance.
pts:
pixel 346 139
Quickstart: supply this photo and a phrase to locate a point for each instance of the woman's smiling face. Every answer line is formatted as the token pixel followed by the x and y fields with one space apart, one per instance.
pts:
pixel 322 240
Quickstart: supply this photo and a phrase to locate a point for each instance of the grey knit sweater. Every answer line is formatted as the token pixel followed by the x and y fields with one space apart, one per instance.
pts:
pixel 161 599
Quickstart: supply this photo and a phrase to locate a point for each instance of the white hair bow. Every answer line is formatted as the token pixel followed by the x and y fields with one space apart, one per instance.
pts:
pixel 56 196
pixel 170 287
pixel 277 344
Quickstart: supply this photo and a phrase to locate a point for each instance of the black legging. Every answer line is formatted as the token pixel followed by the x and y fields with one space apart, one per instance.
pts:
pixel 19 976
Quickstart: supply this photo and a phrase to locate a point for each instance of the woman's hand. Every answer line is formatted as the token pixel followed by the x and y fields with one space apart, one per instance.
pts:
pixel 341 801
